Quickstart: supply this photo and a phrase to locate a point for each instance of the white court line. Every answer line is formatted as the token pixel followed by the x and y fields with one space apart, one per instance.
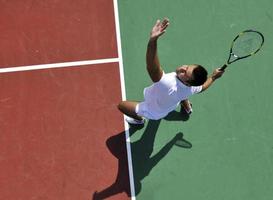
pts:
pixel 59 65
pixel 127 135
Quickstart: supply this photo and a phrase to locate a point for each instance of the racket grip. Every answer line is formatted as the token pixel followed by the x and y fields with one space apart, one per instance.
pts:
pixel 223 67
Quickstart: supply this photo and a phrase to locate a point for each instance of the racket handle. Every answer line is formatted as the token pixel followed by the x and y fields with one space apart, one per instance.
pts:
pixel 224 67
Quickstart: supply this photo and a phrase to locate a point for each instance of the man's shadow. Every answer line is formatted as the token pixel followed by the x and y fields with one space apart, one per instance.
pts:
pixel 142 150
pixel 178 116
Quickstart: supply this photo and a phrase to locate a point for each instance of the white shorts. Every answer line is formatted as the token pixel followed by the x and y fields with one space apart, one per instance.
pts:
pixel 143 111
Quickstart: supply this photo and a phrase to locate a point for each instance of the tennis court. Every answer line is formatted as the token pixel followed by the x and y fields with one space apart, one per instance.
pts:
pixel 66 65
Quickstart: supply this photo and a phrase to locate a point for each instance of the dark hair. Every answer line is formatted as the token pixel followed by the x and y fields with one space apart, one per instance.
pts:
pixel 199 76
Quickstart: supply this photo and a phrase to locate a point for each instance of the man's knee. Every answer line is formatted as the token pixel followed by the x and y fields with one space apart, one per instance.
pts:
pixel 121 106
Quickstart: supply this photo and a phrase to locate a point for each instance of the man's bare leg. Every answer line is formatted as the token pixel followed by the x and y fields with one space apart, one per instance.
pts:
pixel 186 105
pixel 128 108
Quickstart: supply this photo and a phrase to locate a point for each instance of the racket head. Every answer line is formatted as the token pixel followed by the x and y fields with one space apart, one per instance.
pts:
pixel 245 44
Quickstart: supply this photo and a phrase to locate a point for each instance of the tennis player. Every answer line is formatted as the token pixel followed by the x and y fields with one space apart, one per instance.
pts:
pixel 168 89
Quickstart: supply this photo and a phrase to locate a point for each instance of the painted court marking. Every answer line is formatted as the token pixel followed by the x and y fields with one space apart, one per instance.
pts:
pixel 59 65
pixel 127 135
pixel 93 62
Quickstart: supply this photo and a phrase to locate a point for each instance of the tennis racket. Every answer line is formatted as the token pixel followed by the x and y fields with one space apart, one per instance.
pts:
pixel 245 44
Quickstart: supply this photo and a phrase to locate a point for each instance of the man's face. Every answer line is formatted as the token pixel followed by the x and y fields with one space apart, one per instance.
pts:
pixel 184 73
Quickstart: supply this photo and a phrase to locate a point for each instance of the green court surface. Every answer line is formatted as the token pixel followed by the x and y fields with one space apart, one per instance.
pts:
pixel 230 130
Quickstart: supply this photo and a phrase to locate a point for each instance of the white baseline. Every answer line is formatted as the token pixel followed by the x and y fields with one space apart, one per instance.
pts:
pixel 59 65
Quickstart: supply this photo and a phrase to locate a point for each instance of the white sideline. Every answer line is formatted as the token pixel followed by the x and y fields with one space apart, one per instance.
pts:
pixel 127 135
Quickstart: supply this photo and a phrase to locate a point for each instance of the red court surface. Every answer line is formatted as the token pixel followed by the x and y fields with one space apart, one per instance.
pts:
pixel 54 128
pixel 61 132
pixel 52 31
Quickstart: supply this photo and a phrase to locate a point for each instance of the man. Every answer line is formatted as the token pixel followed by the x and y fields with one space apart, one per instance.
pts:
pixel 168 90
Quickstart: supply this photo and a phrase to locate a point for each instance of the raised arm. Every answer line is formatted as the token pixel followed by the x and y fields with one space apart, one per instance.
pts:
pixel 217 73
pixel 152 61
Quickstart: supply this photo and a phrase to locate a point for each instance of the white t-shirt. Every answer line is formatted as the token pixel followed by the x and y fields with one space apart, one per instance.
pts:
pixel 164 96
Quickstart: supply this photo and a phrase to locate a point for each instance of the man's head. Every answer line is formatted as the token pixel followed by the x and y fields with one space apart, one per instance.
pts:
pixel 192 75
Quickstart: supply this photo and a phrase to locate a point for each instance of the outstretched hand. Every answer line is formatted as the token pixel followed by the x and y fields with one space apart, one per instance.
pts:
pixel 217 73
pixel 159 28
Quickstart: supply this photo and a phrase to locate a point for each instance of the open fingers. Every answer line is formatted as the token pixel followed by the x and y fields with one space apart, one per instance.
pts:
pixel 165 23
pixel 157 22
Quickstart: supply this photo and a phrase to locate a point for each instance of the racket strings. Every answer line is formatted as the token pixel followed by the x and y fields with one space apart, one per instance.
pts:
pixel 246 44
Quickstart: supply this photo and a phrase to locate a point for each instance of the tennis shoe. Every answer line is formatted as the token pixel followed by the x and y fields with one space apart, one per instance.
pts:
pixel 133 121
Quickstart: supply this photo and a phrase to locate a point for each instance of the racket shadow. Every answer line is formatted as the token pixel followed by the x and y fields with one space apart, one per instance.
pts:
pixel 143 161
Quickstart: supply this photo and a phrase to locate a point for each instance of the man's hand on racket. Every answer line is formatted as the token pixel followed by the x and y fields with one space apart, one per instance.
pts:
pixel 159 28
pixel 217 73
